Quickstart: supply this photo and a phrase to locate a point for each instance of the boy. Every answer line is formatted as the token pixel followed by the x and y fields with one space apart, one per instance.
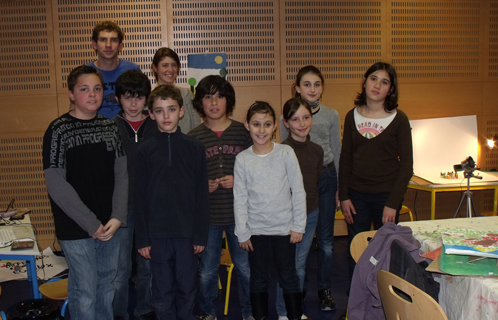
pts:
pixel 87 182
pixel 172 201
pixel 132 90
pixel 107 41
pixel 223 139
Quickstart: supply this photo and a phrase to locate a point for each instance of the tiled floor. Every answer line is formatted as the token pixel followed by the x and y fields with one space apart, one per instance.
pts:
pixel 16 291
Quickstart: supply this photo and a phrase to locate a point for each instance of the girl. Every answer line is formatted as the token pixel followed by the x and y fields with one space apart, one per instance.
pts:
pixel 270 211
pixel 166 67
pixel 298 120
pixel 326 132
pixel 377 158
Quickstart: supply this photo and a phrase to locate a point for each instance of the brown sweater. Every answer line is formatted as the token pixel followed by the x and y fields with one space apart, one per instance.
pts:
pixel 381 164
pixel 310 158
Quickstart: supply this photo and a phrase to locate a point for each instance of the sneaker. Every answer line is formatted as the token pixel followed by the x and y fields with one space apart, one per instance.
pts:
pixel 282 318
pixel 249 318
pixel 207 317
pixel 326 301
pixel 304 317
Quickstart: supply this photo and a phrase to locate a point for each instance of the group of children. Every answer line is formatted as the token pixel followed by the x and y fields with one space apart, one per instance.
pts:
pixel 176 191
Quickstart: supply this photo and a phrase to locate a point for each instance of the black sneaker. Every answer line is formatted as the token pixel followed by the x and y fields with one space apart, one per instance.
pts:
pixel 326 301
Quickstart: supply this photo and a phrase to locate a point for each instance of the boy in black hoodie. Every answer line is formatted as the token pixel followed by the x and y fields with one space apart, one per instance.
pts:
pixel 172 202
pixel 132 91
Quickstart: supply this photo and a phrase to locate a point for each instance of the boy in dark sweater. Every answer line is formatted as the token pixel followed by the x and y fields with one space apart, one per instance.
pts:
pixel 135 126
pixel 172 202
pixel 87 182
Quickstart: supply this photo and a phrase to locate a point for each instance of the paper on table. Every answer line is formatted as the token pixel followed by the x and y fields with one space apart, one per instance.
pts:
pixel 470 242
pixel 47 268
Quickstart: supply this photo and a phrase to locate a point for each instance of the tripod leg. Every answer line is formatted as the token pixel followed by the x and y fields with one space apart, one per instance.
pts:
pixel 469 204
pixel 473 204
pixel 459 205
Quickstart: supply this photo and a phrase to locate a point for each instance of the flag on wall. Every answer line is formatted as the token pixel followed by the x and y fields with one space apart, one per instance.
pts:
pixel 201 65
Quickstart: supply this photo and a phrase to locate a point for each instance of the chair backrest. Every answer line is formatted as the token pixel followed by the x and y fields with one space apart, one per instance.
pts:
pixel 225 259
pixel 359 243
pixel 421 307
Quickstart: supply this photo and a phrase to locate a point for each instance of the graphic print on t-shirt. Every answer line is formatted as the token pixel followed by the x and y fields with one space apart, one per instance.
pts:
pixel 369 129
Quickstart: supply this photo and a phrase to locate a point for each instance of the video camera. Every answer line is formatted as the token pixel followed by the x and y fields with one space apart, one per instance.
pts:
pixel 468 166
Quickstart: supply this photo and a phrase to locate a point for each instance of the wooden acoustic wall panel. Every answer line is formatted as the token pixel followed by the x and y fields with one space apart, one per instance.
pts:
pixel 21 178
pixel 26 48
pixel 492 40
pixel 489 157
pixel 247 31
pixel 341 38
pixel 436 41
pixel 141 21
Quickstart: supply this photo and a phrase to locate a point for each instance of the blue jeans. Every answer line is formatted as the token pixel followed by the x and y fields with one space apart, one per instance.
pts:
pixel 327 189
pixel 121 282
pixel 210 263
pixel 174 269
pixel 92 269
pixel 302 250
pixel 284 257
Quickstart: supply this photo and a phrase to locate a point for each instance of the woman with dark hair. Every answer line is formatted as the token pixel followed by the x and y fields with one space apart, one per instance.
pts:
pixel 166 68
pixel 377 157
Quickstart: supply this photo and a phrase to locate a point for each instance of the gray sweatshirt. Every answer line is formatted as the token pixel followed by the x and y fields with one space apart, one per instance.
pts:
pixel 269 196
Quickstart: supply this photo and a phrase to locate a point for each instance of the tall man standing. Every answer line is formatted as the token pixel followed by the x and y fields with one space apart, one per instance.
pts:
pixel 107 41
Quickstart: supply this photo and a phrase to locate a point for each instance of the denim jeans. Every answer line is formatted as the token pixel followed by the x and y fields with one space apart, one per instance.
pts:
pixel 174 269
pixel 284 257
pixel 369 208
pixel 92 269
pixel 121 282
pixel 302 250
pixel 327 189
pixel 120 302
pixel 210 263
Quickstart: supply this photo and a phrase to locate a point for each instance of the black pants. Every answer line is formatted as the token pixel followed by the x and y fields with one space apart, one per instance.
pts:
pixel 174 268
pixel 369 208
pixel 284 257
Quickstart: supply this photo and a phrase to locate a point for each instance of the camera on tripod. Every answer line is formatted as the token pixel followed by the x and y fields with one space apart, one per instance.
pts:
pixel 467 166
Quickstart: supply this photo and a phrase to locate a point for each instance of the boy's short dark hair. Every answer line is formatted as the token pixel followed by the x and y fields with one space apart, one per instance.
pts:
pixel 133 83
pixel 108 26
pixel 211 85
pixel 72 79
pixel 163 92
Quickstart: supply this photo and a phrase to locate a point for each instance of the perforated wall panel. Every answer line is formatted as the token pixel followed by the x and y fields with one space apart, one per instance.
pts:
pixel 247 31
pixel 143 23
pixel 341 38
pixel 21 178
pixel 26 48
pixel 489 157
pixel 492 56
pixel 436 40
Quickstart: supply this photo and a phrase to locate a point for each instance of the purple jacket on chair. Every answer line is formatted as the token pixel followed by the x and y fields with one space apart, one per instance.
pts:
pixel 364 299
